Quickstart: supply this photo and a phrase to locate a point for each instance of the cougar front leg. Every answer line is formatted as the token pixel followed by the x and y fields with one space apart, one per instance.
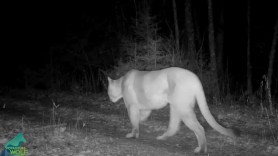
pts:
pixel 134 119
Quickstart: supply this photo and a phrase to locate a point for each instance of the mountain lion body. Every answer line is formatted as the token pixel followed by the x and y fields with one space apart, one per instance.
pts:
pixel 144 91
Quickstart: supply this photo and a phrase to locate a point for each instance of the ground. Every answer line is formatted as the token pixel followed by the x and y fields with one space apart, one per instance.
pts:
pixel 63 123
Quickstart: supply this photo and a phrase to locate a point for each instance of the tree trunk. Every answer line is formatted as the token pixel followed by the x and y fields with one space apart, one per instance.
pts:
pixel 249 66
pixel 272 54
pixel 270 66
pixel 177 36
pixel 219 52
pixel 212 49
pixel 190 30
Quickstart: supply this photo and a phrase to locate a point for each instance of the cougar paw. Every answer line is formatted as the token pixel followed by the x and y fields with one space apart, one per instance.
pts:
pixel 200 150
pixel 162 137
pixel 132 135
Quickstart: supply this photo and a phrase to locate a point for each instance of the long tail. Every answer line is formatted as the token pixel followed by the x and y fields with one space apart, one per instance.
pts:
pixel 202 103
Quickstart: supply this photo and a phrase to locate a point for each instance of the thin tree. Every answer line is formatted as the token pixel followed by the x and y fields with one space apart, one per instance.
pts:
pixel 177 36
pixel 219 49
pixel 212 48
pixel 249 66
pixel 270 67
pixel 190 30
pixel 272 54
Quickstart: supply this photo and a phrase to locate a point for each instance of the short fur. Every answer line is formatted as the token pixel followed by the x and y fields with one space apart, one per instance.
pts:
pixel 144 91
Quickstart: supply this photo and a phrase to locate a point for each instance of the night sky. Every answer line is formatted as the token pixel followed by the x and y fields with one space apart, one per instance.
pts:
pixel 30 30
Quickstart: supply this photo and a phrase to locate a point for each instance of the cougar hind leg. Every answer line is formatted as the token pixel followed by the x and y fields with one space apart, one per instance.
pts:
pixel 192 123
pixel 174 125
pixel 144 114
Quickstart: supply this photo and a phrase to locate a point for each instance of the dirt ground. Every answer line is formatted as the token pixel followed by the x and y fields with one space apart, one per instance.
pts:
pixel 88 125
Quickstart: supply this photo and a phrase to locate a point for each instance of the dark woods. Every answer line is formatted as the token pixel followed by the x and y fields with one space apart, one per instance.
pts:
pixel 230 45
